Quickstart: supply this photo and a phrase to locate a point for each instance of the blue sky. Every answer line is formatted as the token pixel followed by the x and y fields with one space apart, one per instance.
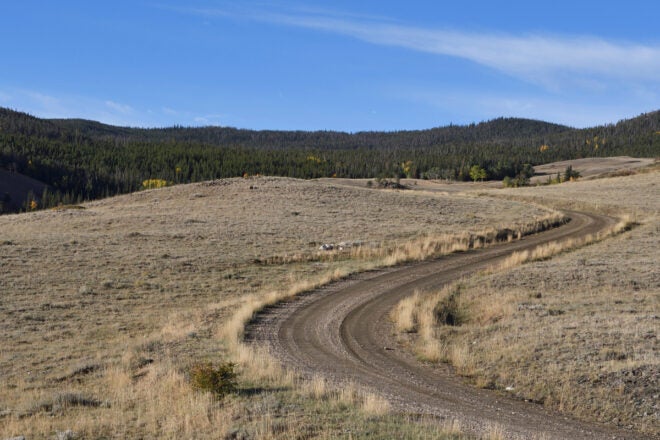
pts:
pixel 339 65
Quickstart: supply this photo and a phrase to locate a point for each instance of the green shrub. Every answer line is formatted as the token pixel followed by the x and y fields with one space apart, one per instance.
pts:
pixel 219 380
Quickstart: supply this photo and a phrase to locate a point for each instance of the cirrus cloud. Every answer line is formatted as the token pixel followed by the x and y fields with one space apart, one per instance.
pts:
pixel 548 59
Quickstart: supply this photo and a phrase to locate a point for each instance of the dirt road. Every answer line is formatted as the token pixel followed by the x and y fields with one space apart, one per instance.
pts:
pixel 343 332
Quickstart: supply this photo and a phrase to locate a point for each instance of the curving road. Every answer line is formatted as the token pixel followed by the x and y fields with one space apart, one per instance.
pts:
pixel 342 331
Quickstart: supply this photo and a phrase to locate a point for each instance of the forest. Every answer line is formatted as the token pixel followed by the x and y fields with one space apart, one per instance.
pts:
pixel 83 160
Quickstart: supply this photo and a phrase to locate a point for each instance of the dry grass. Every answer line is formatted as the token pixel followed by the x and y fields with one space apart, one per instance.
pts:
pixel 593 166
pixel 374 404
pixel 495 432
pixel 106 308
pixel 257 365
pixel 553 248
pixel 577 332
pixel 404 315
pixel 116 301
pixel 625 195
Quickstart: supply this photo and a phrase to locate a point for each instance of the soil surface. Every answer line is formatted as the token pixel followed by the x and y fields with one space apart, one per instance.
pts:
pixel 343 332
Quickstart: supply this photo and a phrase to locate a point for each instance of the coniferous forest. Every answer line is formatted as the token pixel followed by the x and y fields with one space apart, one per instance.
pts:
pixel 83 160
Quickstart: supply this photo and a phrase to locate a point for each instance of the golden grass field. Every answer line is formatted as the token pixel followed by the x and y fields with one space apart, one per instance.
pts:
pixel 577 332
pixel 105 308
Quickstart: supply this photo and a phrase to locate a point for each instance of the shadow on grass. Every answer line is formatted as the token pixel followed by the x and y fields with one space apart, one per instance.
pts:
pixel 256 391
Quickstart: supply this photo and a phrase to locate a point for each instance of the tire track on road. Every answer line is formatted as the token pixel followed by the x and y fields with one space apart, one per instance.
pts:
pixel 342 331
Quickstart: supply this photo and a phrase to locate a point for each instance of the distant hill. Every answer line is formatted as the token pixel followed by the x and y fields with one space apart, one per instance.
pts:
pixel 497 129
pixel 81 159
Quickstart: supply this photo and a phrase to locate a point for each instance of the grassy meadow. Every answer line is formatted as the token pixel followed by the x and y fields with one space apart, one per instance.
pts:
pixel 577 332
pixel 107 306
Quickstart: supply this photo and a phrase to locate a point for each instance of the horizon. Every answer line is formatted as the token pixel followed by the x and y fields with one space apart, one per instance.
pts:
pixel 376 66
pixel 321 130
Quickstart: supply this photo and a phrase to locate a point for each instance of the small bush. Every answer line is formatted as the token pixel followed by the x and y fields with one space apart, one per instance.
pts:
pixel 219 380
pixel 515 182
pixel 155 183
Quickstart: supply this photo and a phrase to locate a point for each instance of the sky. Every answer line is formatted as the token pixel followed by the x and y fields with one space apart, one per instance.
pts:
pixel 330 65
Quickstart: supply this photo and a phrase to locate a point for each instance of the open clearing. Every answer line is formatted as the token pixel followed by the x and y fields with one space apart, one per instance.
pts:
pixel 342 332
pixel 597 352
pixel 105 308
pixel 577 333
pixel 593 166
pixel 588 167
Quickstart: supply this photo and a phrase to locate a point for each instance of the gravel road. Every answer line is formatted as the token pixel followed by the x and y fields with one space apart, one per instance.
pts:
pixel 343 332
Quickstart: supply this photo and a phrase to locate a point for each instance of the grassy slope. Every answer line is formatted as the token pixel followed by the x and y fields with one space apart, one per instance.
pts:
pixel 105 308
pixel 577 332
pixel 149 279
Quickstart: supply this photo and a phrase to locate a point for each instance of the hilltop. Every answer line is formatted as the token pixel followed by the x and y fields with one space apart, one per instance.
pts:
pixel 79 159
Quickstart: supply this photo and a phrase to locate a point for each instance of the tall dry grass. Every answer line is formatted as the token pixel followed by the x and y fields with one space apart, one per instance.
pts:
pixel 556 337
pixel 423 246
pixel 416 250
pixel 117 300
pixel 551 249
pixel 418 313
pixel 256 365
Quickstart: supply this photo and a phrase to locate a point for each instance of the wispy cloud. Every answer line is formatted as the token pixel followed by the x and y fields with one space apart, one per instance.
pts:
pixel 119 108
pixel 466 105
pixel 49 105
pixel 213 119
pixel 169 111
pixel 548 59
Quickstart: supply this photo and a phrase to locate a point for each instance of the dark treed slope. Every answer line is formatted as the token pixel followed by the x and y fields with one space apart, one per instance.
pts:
pixel 82 159
pixel 497 130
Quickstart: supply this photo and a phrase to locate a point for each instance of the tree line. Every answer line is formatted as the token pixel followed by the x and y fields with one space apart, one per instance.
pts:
pixel 82 160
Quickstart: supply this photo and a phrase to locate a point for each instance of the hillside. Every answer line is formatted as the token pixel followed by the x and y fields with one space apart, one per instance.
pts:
pixel 492 131
pixel 82 159
pixel 114 302
pixel 15 190
pixel 107 307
